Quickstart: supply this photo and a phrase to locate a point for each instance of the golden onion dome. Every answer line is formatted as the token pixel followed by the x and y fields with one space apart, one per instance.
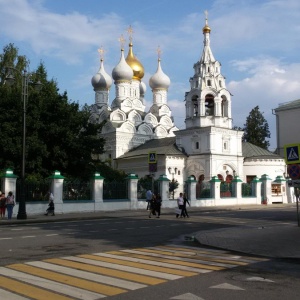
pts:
pixel 135 64
pixel 206 29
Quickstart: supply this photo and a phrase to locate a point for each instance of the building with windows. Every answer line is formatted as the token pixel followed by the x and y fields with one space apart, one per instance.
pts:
pixel 207 147
pixel 287 124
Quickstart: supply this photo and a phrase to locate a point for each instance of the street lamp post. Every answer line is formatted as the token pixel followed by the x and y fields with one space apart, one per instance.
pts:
pixel 24 97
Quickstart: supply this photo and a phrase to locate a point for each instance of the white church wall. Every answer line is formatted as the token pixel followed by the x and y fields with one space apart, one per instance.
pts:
pixel 272 168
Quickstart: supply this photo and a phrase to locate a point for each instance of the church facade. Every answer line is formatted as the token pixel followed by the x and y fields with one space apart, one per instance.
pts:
pixel 207 147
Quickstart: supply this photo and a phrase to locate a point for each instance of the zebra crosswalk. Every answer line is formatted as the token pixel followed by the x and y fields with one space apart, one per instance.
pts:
pixel 100 275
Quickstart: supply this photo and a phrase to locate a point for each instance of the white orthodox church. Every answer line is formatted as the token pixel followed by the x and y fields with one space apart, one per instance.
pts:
pixel 207 147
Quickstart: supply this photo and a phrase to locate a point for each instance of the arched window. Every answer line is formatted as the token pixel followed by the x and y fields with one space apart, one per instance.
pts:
pixel 229 177
pixel 220 177
pixel 209 105
pixel 199 186
pixel 208 82
pixel 197 145
pixel 195 105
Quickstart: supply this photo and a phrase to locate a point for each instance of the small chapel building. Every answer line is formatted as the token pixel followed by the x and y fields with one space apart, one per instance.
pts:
pixel 208 146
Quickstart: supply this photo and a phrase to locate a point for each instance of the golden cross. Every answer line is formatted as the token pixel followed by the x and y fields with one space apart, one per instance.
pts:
pixel 206 16
pixel 159 52
pixel 130 32
pixel 122 41
pixel 101 51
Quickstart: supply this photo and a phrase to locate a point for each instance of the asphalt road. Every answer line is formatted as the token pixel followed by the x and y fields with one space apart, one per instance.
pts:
pixel 261 279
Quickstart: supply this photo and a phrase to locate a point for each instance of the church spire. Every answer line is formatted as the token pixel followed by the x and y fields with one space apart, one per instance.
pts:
pixel 208 103
pixel 207 55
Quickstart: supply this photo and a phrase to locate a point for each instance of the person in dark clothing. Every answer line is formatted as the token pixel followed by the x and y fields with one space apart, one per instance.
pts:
pixel 158 204
pixel 50 209
pixel 152 206
pixel 184 212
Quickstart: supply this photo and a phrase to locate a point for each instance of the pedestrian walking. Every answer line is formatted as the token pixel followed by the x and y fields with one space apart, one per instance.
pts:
pixel 152 206
pixel 180 202
pixel 184 212
pixel 2 204
pixel 157 204
pixel 10 203
pixel 149 196
pixel 51 207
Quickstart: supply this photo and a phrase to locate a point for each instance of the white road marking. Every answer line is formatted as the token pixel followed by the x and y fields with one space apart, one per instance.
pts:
pixel 153 263
pixel 226 286
pixel 88 275
pixel 50 285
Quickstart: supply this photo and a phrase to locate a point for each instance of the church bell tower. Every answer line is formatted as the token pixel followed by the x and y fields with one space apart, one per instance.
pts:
pixel 208 103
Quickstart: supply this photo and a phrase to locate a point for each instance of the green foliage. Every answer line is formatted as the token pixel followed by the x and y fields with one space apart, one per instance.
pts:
pixel 109 173
pixel 256 129
pixel 146 182
pixel 173 185
pixel 59 135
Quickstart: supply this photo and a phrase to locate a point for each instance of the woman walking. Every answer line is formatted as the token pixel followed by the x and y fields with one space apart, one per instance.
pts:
pixel 10 203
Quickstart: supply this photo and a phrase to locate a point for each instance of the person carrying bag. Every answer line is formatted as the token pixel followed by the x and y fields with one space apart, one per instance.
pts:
pixel 180 203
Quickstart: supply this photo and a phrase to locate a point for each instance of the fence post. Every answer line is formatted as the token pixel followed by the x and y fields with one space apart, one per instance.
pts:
pixel 191 189
pixel 9 182
pixel 215 188
pixel 164 188
pixel 237 187
pixel 132 190
pixel 266 188
pixel 257 189
pixel 57 185
pixel 97 192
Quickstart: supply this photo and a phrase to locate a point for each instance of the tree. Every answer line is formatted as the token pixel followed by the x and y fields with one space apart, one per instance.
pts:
pixel 59 135
pixel 173 185
pixel 256 129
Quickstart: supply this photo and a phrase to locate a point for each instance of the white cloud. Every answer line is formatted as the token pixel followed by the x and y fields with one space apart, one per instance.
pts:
pixel 257 42
pixel 270 82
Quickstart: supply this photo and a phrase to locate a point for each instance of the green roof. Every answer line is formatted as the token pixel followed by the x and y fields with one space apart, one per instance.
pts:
pixel 251 151
pixel 167 146
pixel 164 146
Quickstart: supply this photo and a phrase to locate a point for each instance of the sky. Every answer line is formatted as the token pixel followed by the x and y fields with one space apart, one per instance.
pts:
pixel 256 41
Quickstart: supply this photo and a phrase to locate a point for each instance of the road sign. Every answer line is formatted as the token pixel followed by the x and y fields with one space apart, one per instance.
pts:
pixel 152 158
pixel 294 171
pixel 291 153
pixel 152 168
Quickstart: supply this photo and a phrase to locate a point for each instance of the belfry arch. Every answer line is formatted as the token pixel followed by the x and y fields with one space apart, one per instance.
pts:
pixel 209 105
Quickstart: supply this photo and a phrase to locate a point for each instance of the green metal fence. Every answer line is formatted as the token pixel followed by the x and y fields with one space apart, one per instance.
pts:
pixel 34 191
pixel 226 190
pixel 247 190
pixel 143 186
pixel 115 190
pixel 203 190
pixel 77 190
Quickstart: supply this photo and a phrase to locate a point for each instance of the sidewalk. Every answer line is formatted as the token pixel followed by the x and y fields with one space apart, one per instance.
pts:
pixel 277 241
